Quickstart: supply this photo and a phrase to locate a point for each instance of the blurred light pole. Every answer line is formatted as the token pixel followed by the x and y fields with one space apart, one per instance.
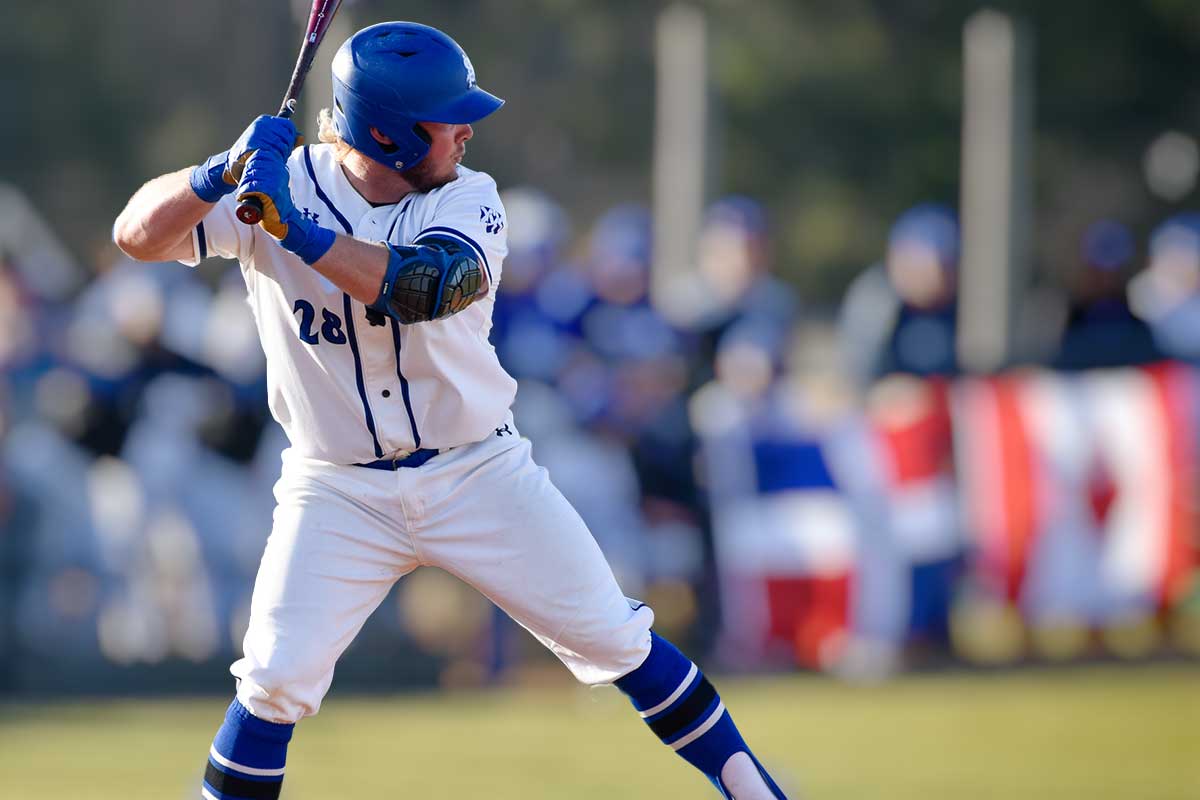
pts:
pixel 996 187
pixel 680 133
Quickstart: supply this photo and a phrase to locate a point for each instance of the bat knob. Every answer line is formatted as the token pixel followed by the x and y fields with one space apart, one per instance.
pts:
pixel 250 211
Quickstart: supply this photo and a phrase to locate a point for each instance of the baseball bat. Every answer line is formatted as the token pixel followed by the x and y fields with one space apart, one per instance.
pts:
pixel 250 210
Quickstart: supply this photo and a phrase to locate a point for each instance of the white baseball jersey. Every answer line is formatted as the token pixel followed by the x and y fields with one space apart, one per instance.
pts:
pixel 346 391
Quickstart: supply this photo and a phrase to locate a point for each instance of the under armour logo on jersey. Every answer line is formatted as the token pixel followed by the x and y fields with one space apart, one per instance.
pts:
pixel 493 220
pixel 310 215
pixel 505 431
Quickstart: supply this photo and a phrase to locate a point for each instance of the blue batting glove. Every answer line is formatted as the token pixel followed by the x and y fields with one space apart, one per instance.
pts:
pixel 218 176
pixel 266 177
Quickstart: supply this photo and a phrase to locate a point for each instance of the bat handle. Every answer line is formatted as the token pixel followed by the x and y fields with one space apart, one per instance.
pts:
pixel 250 210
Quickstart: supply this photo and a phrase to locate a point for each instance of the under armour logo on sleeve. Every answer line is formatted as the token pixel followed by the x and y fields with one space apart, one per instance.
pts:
pixel 505 431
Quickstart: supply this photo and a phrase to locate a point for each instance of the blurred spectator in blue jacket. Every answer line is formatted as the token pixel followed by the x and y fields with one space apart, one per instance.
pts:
pixel 543 294
pixel 734 260
pixel 899 316
pixel 635 367
pixel 1101 329
pixel 16 521
pixel 1167 293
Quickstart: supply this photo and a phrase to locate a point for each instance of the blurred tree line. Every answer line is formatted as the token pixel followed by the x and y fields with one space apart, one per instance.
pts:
pixel 838 114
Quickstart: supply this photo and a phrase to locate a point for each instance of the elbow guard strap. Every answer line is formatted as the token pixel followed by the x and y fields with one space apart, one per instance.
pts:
pixel 432 280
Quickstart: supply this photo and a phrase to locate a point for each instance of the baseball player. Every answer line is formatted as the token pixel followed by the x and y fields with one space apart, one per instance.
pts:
pixel 371 278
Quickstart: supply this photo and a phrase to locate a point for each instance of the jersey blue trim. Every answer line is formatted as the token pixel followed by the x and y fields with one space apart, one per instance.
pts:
pixel 412 420
pixel 200 238
pixel 358 372
pixel 460 235
pixel 321 192
pixel 348 308
pixel 399 217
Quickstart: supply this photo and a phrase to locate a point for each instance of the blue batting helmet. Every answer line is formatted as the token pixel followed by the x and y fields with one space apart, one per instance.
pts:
pixel 394 75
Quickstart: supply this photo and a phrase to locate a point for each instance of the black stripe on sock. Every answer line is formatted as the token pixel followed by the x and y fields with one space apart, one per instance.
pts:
pixel 686 712
pixel 225 784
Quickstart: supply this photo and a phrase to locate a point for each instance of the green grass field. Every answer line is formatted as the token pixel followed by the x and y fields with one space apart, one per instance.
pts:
pixel 1125 733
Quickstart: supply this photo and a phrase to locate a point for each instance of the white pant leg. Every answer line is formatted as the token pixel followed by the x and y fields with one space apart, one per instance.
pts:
pixel 336 548
pixel 492 517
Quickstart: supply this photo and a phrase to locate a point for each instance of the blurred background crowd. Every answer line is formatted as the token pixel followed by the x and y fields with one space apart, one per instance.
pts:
pixel 805 476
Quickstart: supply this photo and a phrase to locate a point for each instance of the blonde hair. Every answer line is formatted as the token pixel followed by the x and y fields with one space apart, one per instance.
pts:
pixel 327 133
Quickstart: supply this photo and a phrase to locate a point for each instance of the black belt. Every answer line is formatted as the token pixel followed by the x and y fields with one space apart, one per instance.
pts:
pixel 414 459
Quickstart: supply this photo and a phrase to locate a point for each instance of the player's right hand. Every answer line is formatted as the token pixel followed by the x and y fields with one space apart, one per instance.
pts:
pixel 219 175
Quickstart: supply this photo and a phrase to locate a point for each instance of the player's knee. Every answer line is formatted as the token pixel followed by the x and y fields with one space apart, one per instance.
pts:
pixel 599 650
pixel 282 690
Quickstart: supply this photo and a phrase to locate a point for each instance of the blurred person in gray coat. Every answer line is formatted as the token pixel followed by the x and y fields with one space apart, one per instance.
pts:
pixel 898 316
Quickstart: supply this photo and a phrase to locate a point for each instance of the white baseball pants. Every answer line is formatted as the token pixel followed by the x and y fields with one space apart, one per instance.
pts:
pixel 485 512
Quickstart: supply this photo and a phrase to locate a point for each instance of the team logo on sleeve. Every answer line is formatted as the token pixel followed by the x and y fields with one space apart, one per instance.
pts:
pixel 493 220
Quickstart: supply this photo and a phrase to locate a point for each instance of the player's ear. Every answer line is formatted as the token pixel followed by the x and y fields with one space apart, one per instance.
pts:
pixel 380 136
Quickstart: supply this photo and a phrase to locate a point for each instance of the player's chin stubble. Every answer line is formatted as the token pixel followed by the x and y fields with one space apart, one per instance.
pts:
pixel 425 177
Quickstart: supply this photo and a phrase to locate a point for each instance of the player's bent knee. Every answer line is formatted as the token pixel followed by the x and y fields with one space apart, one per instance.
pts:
pixel 597 651
pixel 283 693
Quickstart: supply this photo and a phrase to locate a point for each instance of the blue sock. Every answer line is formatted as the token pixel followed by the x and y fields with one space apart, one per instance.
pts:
pixel 247 758
pixel 685 711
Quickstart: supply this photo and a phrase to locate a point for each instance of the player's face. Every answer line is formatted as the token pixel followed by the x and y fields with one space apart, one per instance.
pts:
pixel 447 146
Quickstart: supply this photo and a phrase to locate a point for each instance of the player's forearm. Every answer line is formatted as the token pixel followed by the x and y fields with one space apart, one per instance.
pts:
pixel 354 266
pixel 157 222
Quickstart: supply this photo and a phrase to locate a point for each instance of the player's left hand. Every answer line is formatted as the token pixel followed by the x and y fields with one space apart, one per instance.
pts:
pixel 218 176
pixel 266 177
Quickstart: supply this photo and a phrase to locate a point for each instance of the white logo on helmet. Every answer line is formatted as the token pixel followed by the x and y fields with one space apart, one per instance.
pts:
pixel 470 71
